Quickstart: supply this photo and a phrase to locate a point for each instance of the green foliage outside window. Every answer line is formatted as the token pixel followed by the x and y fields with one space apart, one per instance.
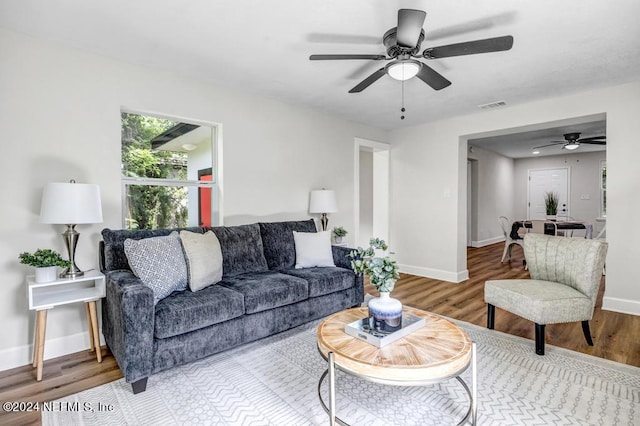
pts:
pixel 152 206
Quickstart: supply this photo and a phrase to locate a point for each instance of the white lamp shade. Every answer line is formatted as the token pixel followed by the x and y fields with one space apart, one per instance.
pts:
pixel 71 203
pixel 322 201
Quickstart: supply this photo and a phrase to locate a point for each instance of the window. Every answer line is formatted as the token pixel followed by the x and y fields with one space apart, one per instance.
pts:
pixel 168 173
pixel 603 188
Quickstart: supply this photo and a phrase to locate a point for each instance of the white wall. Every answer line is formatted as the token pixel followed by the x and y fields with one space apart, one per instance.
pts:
pixel 366 197
pixel 60 119
pixel 428 186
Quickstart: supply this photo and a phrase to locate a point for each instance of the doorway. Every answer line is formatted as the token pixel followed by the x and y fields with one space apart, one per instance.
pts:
pixel 371 196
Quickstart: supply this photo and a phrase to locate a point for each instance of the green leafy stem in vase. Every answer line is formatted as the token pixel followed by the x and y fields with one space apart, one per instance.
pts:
pixel 382 271
pixel 43 258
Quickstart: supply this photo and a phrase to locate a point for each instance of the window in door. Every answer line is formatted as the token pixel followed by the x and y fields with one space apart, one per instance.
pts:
pixel 168 173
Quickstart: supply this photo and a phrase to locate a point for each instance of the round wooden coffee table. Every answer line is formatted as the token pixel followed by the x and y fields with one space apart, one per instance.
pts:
pixel 438 351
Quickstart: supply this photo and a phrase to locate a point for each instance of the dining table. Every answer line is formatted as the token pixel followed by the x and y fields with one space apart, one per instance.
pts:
pixel 551 227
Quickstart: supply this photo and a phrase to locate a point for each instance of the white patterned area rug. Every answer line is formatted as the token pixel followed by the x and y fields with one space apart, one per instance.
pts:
pixel 274 382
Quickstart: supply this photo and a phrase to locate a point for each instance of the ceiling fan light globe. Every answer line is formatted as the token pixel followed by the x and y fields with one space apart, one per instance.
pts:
pixel 403 70
pixel 571 146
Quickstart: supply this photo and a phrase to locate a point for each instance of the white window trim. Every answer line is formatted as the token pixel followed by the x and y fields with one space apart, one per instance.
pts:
pixel 216 164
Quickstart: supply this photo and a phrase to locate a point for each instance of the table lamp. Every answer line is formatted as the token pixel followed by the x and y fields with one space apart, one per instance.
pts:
pixel 71 204
pixel 323 201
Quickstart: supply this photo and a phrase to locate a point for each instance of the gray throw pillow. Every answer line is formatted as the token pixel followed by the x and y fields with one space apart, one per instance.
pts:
pixel 159 263
pixel 204 258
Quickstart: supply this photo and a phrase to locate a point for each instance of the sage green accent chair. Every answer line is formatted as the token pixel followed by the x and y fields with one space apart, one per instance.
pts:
pixel 565 279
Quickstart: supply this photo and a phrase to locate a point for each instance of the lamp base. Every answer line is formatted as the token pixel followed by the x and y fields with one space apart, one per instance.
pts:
pixel 71 236
pixel 324 220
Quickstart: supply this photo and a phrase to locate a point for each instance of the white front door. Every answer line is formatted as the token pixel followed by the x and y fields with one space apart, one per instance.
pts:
pixel 543 181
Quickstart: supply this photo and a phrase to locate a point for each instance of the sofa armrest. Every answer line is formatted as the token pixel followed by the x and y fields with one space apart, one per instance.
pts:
pixel 341 256
pixel 342 260
pixel 128 315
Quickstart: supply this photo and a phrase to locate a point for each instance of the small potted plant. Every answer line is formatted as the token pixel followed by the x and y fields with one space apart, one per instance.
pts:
pixel 46 262
pixel 551 204
pixel 385 311
pixel 338 233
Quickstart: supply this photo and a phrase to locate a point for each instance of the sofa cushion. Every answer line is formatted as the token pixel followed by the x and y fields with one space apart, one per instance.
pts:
pixel 241 249
pixel 159 263
pixel 188 311
pixel 323 281
pixel 267 290
pixel 313 249
pixel 204 258
pixel 114 255
pixel 277 239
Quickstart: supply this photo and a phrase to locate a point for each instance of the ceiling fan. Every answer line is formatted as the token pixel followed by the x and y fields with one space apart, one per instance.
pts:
pixel 403 44
pixel 572 141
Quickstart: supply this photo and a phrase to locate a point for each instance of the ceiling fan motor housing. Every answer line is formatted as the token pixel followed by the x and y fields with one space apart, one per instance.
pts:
pixel 390 41
pixel 570 137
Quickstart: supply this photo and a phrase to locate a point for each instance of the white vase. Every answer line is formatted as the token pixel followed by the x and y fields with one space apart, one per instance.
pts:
pixel 338 240
pixel 386 313
pixel 46 274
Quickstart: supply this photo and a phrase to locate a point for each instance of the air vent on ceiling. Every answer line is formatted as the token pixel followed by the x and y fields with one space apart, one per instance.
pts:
pixel 492 105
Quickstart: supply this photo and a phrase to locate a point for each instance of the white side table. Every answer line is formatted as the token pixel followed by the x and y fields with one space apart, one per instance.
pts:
pixel 44 296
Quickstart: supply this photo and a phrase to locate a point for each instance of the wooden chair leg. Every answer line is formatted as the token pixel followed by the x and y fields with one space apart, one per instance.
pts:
pixel 587 332
pixel 491 315
pixel 539 339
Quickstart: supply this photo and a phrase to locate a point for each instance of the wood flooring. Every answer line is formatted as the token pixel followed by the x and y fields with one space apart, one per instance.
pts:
pixel 616 335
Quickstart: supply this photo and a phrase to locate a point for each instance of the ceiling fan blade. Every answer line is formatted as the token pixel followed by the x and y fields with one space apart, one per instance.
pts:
pixel 593 142
pixel 592 139
pixel 551 144
pixel 432 77
pixel 368 81
pixel 338 57
pixel 496 44
pixel 410 22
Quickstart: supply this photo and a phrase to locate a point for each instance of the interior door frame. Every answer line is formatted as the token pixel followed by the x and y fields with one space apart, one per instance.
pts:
pixel 381 187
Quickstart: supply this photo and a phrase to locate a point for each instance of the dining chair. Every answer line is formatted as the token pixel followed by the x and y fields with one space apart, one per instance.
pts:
pixel 509 242
pixel 565 279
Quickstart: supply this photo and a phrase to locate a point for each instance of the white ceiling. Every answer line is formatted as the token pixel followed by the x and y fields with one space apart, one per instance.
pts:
pixel 262 47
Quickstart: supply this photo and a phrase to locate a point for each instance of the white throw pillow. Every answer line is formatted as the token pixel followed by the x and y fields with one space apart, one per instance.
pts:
pixel 159 263
pixel 204 258
pixel 313 249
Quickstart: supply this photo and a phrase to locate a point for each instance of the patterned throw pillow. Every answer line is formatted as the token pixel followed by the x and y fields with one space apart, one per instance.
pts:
pixel 313 249
pixel 204 258
pixel 159 263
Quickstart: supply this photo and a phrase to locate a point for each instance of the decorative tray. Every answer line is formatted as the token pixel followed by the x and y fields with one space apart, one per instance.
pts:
pixel 363 330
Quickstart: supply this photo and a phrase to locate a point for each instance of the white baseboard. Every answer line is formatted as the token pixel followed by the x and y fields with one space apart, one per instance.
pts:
pixel 487 242
pixel 624 306
pixel 438 274
pixel 53 348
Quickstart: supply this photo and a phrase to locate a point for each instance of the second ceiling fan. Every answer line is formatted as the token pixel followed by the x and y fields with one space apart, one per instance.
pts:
pixel 572 141
pixel 403 45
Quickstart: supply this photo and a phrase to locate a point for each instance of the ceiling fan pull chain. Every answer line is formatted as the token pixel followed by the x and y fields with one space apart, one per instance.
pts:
pixel 402 109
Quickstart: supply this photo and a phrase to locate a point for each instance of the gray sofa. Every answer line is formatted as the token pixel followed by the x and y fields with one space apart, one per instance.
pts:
pixel 261 293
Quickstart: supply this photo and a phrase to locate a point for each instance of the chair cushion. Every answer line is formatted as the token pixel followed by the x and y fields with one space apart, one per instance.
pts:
pixel 543 302
pixel 267 290
pixel 277 239
pixel 188 311
pixel 324 280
